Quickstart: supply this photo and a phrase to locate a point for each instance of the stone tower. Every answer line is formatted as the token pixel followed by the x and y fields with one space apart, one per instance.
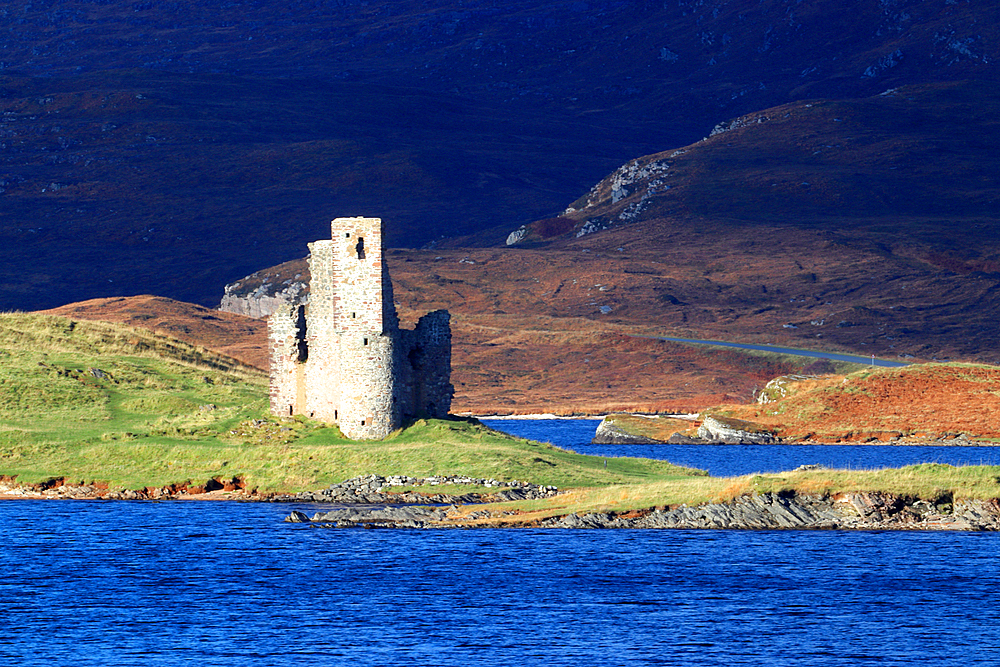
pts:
pixel 342 358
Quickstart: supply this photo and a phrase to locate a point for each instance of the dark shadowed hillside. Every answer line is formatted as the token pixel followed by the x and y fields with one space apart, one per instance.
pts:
pixel 172 147
pixel 865 225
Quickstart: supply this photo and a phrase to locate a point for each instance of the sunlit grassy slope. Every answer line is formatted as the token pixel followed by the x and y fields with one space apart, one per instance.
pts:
pixel 940 483
pixel 92 401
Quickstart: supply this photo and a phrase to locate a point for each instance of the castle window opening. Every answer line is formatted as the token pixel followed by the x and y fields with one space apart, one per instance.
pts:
pixel 366 341
pixel 360 248
pixel 301 335
pixel 362 422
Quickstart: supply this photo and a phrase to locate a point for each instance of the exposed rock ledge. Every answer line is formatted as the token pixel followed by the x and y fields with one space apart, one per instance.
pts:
pixel 734 432
pixel 852 511
pixel 609 433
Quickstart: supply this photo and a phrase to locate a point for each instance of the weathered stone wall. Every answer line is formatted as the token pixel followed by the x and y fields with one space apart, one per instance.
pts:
pixel 322 394
pixel 286 368
pixel 432 337
pixel 347 362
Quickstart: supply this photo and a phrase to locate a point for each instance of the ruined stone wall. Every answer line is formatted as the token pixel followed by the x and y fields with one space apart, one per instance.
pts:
pixel 367 373
pixel 344 359
pixel 432 364
pixel 322 337
pixel 287 371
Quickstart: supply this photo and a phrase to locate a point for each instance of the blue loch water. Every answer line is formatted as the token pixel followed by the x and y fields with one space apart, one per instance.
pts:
pixel 728 460
pixel 176 583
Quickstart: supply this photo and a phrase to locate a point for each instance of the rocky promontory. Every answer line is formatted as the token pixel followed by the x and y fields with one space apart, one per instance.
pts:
pixel 734 432
pixel 626 429
pixel 767 511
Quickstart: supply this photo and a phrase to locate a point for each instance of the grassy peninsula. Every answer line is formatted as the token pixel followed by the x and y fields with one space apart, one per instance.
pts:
pixel 92 402
pixel 98 402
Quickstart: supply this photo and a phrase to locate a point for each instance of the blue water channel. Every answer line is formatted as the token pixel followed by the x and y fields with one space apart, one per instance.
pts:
pixel 730 460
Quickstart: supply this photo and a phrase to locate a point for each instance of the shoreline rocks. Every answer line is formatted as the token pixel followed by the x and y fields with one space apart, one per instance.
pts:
pixel 366 490
pixel 733 432
pixel 609 433
pixel 769 511
pixel 853 511
pixel 378 490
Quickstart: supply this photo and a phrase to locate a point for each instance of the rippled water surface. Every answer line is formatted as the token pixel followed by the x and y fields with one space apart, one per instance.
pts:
pixel 172 583
pixel 727 460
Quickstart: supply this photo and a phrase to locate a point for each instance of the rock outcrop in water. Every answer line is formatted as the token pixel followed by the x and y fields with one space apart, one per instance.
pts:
pixel 609 433
pixel 734 432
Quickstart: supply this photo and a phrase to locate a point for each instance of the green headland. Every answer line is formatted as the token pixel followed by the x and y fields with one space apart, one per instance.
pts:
pixel 90 402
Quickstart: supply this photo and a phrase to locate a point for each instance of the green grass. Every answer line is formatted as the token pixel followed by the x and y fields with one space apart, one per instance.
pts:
pixel 938 483
pixel 160 412
pixel 928 481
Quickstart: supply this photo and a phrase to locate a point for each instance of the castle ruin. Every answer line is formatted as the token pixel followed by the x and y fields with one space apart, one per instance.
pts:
pixel 342 358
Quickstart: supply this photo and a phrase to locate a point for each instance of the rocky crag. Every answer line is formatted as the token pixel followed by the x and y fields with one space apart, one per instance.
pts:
pixel 624 429
pixel 734 432
pixel 609 433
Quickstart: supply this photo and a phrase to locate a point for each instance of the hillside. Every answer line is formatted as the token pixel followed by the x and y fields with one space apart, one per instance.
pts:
pixel 173 147
pixel 912 168
pixel 918 401
pixel 504 364
pixel 241 338
pixel 864 225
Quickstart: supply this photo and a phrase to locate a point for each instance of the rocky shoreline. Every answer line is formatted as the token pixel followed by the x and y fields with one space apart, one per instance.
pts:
pixel 719 431
pixel 851 511
pixel 378 490
pixel 374 501
pixel 366 490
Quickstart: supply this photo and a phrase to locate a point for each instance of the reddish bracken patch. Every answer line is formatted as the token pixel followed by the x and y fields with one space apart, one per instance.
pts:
pixel 550 227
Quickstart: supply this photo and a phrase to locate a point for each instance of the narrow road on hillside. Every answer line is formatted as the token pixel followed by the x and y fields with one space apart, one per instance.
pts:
pixel 870 361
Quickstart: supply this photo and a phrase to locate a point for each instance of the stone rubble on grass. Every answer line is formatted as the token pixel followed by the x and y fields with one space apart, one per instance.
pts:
pixel 379 490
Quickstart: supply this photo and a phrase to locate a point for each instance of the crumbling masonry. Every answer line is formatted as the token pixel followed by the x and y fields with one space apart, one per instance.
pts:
pixel 342 358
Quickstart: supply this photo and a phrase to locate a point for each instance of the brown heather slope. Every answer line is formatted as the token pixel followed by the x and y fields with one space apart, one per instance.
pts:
pixel 241 338
pixel 867 225
pixel 506 365
pixel 738 284
pixel 922 400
